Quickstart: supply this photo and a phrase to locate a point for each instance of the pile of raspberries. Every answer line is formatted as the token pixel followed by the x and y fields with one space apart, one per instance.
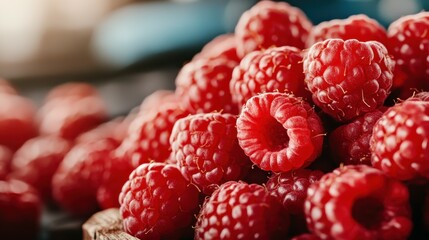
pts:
pixel 280 130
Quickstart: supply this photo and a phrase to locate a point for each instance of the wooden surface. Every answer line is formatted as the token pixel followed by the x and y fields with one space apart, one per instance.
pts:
pixel 105 225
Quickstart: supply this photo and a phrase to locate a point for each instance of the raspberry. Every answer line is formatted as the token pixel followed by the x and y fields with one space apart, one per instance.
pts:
pixel 290 189
pixel 358 202
pixel 149 133
pixel 222 46
pixel 359 27
pixel 348 78
pixel 116 128
pixel 37 160
pixel 79 175
pixel 207 151
pixel 306 236
pixel 157 202
pixel 270 24
pixel 17 120
pixel 70 116
pixel 237 210
pixel 5 87
pixel 5 160
pixel 279 132
pixel 349 143
pixel 203 85
pixel 157 98
pixel 423 96
pixel 399 142
pixel 409 44
pixel 20 210
pixel 71 89
pixel 274 69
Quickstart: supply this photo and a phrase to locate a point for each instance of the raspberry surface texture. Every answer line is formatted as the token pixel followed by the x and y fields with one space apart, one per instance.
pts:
pixel 207 151
pixel 238 210
pixel 360 27
pixel 202 86
pixel 149 133
pixel 399 143
pixel 275 69
pixel 348 78
pixel 349 143
pixel 79 175
pixel 222 46
pixel 157 202
pixel 37 160
pixel 409 45
pixel 279 132
pixel 269 24
pixel 358 202
pixel 20 210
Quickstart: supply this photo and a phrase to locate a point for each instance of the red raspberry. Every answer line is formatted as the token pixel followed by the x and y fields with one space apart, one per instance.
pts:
pixel 79 175
pixel 5 160
pixel 349 143
pixel 5 87
pixel 348 78
pixel 149 133
pixel 359 27
pixel 409 44
pixel 237 210
pixel 116 129
pixel 20 210
pixel 71 89
pixel 275 69
pixel 70 116
pixel 207 151
pixel 157 98
pixel 423 96
pixel 399 142
pixel 279 132
pixel 358 202
pixel 269 24
pixel 290 189
pixel 157 202
pixel 17 120
pixel 37 160
pixel 203 85
pixel 222 46
pixel 306 236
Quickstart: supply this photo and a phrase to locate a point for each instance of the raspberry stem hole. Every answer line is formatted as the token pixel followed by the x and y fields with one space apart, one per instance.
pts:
pixel 275 135
pixel 368 212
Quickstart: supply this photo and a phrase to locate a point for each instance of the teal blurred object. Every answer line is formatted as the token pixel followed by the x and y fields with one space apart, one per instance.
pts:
pixel 140 32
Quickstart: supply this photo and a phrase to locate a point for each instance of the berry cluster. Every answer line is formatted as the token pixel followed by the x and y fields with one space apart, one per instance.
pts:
pixel 280 130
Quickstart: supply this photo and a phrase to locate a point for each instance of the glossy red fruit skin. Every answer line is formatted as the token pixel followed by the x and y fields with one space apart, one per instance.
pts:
pixel 277 69
pixel 279 132
pixel 269 24
pixel 358 202
pixel 202 86
pixel 241 210
pixel 80 174
pixel 37 160
pixel 207 151
pixel 399 141
pixel 350 143
pixel 17 120
pixel 20 210
pixel 360 27
pixel 157 202
pixel 348 78
pixel 409 45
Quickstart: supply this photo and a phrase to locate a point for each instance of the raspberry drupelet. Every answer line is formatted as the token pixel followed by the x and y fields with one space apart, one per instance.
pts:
pixel 360 27
pixel 399 142
pixel 157 202
pixel 269 24
pixel 237 210
pixel 348 78
pixel 207 151
pixel 358 202
pixel 279 132
pixel 275 69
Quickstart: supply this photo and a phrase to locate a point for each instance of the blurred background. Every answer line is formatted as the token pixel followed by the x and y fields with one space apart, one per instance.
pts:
pixel 129 48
